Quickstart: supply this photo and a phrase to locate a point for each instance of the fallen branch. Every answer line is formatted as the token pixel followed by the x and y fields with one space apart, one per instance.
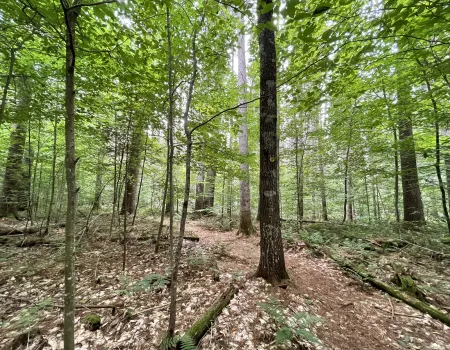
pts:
pixel 411 301
pixel 203 324
pixel 192 238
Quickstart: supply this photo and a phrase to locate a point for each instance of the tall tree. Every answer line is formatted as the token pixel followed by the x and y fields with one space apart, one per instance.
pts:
pixel 271 264
pixel 412 198
pixel 245 214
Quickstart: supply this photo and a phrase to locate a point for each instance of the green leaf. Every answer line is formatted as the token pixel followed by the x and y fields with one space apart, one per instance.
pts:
pixel 271 26
pixel 267 8
pixel 322 8
pixel 290 7
pixel 326 34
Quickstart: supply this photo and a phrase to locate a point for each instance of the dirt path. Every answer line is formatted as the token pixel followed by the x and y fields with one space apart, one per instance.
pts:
pixel 355 316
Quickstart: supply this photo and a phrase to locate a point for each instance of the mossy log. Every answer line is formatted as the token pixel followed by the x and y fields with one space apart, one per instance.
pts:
pixel 203 324
pixel 411 301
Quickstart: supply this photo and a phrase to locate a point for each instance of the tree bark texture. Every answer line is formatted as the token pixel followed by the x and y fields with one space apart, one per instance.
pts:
pixel 133 167
pixel 200 188
pixel 210 188
pixel 14 187
pixel 245 214
pixel 412 198
pixel 271 264
pixel 70 162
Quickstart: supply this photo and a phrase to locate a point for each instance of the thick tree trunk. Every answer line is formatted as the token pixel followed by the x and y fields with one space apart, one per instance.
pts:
pixel 245 214
pixel 132 173
pixel 210 188
pixel 70 161
pixel 412 198
pixel 271 264
pixel 200 189
pixel 323 194
pixel 14 181
pixel 97 200
pixel 447 175
pixel 12 59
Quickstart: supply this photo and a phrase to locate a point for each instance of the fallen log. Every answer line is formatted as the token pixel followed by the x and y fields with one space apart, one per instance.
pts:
pixel 192 238
pixel 22 230
pixel 392 291
pixel 203 324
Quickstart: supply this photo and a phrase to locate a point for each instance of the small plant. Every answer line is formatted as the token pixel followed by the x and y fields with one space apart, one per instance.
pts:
pixel 184 342
pixel 290 327
pixel 28 317
pixel 149 283
pixel 92 321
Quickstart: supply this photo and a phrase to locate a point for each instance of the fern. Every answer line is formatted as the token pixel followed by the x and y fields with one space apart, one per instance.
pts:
pixel 187 343
pixel 184 342
pixel 290 326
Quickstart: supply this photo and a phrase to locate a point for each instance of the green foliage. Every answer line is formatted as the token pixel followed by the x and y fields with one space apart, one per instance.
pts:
pixel 28 317
pixel 149 283
pixel 183 342
pixel 290 326
pixel 92 321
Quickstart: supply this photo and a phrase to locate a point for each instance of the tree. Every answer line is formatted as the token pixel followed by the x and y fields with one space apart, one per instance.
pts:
pixel 271 264
pixel 412 198
pixel 245 214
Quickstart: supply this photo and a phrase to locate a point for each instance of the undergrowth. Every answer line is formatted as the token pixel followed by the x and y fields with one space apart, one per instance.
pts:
pixel 290 327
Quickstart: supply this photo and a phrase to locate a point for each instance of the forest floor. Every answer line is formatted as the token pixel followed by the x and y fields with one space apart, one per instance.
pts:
pixel 326 307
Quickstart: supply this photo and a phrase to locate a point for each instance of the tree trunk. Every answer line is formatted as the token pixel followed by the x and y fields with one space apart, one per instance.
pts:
pixel 323 193
pixel 70 161
pixel 52 190
pixel 13 182
pixel 132 173
pixel 245 214
pixel 412 198
pixel 200 189
pixel 396 178
pixel 12 59
pixel 438 151
pixel 97 202
pixel 299 181
pixel 271 264
pixel 447 175
pixel 187 186
pixel 210 188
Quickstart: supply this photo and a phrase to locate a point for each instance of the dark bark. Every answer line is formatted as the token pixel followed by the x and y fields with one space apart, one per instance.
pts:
pixel 97 200
pixel 447 175
pixel 396 178
pixel 132 167
pixel 323 194
pixel 299 180
pixel 70 162
pixel 412 198
pixel 271 264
